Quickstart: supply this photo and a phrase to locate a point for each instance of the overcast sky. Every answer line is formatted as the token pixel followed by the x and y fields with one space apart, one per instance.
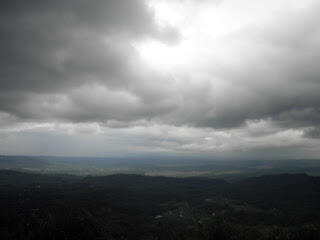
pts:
pixel 217 78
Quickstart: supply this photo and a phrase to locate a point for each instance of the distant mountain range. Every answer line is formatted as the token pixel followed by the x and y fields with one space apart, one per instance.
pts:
pixel 231 170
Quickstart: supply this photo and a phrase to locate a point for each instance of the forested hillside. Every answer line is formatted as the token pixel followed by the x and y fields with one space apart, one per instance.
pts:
pixel 119 206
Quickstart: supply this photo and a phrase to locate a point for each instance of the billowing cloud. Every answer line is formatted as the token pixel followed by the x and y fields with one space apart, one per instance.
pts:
pixel 177 76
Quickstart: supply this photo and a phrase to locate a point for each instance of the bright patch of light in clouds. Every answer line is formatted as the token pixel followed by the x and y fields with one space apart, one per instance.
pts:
pixel 206 24
pixel 202 28
pixel 163 57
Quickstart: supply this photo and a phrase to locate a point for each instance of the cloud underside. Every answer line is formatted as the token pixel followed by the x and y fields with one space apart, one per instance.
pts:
pixel 74 63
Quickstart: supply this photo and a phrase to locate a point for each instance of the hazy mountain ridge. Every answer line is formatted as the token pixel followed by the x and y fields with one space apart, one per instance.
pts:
pixel 230 169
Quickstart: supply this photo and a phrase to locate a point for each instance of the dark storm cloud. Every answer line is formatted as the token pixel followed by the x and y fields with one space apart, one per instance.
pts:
pixel 49 48
pixel 313 132
pixel 49 45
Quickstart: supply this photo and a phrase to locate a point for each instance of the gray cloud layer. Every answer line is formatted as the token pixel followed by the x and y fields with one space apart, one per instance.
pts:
pixel 75 61
pixel 50 51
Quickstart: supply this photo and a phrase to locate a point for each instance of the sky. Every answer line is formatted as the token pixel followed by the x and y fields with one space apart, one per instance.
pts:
pixel 207 78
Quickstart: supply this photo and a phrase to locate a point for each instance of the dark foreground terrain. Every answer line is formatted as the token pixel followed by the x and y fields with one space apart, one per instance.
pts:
pixel 35 206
